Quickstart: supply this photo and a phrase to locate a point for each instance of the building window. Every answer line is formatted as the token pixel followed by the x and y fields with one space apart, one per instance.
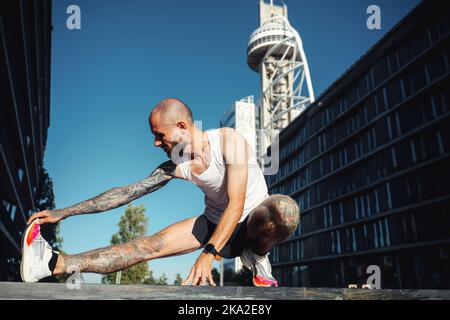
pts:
pixel 330 216
pixel 363 211
pixel 20 174
pixel 436 66
pixel 353 240
pixel 338 237
pixel 380 71
pixel 439 140
pixel 356 208
pixel 413 226
pixel 386 227
pixel 370 146
pixel 393 93
pixel 377 202
pixel 402 87
pixel 389 127
pixel 420 41
pixel 365 236
pixel 422 147
pixel 413 151
pixel 7 205
pixel 369 213
pixel 381 234
pixel 388 191
pixel 418 77
pixel 332 243
pixel 375 234
pixel 385 97
pixel 357 151
pixel 394 159
pixel 396 125
pixel 13 212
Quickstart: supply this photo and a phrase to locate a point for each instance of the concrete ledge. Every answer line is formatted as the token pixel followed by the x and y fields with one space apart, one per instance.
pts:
pixel 16 290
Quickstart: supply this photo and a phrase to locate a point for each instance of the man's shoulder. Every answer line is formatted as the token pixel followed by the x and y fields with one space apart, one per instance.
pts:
pixel 227 134
pixel 227 130
pixel 234 146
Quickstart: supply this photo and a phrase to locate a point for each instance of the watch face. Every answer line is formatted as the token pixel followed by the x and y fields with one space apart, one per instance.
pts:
pixel 209 248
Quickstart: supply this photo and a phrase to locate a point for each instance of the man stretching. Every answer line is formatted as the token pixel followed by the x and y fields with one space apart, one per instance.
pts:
pixel 240 218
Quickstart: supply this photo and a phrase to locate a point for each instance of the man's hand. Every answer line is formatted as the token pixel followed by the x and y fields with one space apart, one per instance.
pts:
pixel 47 216
pixel 200 271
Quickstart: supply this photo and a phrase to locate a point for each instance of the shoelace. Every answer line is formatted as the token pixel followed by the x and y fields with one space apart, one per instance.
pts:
pixel 259 258
pixel 40 244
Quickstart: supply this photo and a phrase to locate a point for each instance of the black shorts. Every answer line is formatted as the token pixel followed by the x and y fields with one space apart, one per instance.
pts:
pixel 203 230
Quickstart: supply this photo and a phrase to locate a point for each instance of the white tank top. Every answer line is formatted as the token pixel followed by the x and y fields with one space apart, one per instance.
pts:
pixel 213 181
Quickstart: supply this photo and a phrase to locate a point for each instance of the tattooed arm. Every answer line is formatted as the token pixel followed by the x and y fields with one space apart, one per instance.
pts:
pixel 112 198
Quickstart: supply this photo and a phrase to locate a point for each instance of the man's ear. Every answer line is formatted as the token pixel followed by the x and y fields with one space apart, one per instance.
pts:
pixel 181 125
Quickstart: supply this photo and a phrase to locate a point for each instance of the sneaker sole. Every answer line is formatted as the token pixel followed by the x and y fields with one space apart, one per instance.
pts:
pixel 25 263
pixel 258 284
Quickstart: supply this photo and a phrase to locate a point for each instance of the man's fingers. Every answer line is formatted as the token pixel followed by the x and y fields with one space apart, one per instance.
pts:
pixel 203 279
pixel 36 215
pixel 33 217
pixel 211 281
pixel 197 278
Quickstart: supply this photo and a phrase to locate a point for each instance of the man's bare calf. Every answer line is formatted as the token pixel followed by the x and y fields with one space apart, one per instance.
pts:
pixel 272 222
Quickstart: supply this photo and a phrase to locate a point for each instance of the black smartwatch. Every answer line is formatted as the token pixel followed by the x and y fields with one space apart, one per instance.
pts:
pixel 209 248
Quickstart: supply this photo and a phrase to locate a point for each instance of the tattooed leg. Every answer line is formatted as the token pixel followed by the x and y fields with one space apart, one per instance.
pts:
pixel 173 240
pixel 272 222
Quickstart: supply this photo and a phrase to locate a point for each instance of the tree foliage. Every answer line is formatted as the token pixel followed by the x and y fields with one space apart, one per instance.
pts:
pixel 178 280
pixel 132 225
pixel 45 200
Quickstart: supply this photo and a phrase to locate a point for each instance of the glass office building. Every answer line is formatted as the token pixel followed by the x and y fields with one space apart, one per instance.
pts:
pixel 369 165
pixel 25 46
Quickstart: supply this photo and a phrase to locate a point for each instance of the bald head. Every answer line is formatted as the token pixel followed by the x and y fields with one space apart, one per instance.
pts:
pixel 172 110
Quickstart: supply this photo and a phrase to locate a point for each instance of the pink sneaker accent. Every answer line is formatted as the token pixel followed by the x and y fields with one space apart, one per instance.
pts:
pixel 260 281
pixel 32 235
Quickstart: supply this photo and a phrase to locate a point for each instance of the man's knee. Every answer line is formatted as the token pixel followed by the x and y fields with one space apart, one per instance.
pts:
pixel 276 218
pixel 285 212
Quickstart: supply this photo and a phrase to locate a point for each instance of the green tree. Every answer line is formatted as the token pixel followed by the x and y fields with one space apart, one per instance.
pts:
pixel 133 224
pixel 45 200
pixel 178 280
pixel 162 280
pixel 241 278
pixel 216 276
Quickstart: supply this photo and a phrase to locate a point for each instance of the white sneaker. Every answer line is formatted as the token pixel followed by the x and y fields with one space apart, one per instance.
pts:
pixel 261 268
pixel 36 254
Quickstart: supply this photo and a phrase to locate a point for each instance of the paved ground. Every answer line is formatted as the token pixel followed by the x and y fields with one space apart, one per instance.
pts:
pixel 11 290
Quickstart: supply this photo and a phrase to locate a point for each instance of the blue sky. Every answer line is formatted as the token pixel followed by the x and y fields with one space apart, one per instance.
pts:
pixel 128 55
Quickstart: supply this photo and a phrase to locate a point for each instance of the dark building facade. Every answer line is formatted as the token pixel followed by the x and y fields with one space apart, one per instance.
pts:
pixel 369 165
pixel 25 45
